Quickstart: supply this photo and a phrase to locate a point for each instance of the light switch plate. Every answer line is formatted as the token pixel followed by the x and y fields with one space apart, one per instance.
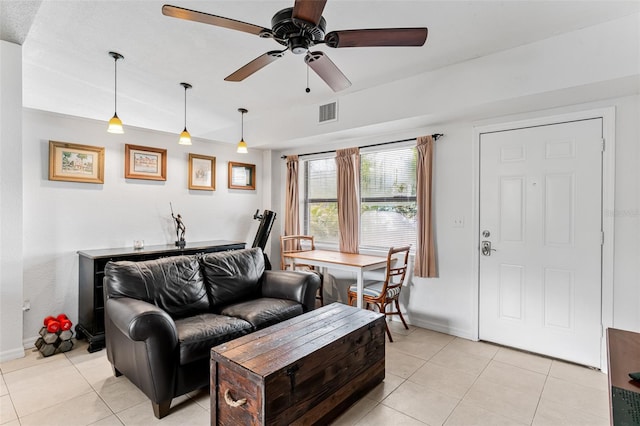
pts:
pixel 458 222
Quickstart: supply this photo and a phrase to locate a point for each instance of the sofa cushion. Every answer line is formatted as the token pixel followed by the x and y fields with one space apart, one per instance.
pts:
pixel 198 334
pixel 232 276
pixel 124 279
pixel 174 284
pixel 264 311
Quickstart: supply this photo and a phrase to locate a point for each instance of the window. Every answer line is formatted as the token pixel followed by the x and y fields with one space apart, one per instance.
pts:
pixel 388 197
pixel 387 204
pixel 321 200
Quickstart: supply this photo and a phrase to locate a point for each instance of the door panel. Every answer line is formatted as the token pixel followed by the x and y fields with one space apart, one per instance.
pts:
pixel 510 291
pixel 558 298
pixel 512 208
pixel 540 205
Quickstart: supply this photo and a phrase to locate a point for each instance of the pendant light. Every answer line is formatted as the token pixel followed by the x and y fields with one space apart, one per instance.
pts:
pixel 242 145
pixel 185 137
pixel 115 124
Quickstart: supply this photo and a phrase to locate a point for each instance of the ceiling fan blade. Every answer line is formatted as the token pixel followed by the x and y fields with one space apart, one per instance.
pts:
pixel 308 10
pixel 255 65
pixel 377 37
pixel 327 70
pixel 206 18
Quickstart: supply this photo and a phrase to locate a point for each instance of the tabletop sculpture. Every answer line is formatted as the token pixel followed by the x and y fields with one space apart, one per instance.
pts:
pixel 180 229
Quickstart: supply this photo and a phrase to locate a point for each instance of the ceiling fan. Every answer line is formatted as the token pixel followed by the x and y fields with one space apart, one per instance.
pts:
pixel 299 28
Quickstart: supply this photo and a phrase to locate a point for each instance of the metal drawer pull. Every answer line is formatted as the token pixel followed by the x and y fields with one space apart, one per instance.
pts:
pixel 230 402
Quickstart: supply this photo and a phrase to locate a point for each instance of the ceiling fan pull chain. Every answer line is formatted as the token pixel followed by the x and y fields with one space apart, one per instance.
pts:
pixel 307 89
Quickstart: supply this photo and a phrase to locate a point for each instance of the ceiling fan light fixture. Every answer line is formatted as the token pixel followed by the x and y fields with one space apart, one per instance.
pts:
pixel 115 124
pixel 185 137
pixel 299 45
pixel 242 145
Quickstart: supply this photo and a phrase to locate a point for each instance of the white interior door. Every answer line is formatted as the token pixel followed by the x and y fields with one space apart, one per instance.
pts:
pixel 541 239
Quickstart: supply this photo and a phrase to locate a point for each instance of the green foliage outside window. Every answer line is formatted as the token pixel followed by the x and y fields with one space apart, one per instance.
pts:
pixel 323 221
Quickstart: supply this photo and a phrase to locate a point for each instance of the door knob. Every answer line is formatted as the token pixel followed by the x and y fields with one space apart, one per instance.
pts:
pixel 485 248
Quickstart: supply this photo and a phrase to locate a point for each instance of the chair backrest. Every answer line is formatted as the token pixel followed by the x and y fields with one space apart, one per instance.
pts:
pixel 294 244
pixel 397 264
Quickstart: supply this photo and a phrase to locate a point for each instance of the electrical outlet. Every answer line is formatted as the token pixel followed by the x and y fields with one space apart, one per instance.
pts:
pixel 458 222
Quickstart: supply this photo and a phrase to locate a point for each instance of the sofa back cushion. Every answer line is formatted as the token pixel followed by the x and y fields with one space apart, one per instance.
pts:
pixel 232 276
pixel 174 284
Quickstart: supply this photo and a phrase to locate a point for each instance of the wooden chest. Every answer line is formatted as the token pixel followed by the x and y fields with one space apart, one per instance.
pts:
pixel 306 370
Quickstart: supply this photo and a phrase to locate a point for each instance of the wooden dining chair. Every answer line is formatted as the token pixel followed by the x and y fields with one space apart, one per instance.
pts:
pixel 386 293
pixel 295 244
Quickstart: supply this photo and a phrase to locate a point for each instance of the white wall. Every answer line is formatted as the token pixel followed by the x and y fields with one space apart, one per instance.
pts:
pixel 446 303
pixel 61 218
pixel 10 200
pixel 590 68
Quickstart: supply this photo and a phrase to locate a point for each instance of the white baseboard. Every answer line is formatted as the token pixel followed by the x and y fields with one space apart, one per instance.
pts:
pixel 30 342
pixel 12 354
pixel 441 328
pixel 433 326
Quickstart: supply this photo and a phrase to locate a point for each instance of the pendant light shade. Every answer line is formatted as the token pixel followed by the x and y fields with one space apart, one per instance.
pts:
pixel 185 137
pixel 115 124
pixel 242 145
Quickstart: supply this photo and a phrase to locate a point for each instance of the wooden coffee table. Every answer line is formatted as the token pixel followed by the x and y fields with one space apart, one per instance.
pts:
pixel 306 370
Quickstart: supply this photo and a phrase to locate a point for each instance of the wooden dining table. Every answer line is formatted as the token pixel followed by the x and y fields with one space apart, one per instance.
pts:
pixel 351 262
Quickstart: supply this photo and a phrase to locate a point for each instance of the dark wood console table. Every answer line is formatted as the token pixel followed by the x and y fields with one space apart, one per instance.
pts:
pixel 92 263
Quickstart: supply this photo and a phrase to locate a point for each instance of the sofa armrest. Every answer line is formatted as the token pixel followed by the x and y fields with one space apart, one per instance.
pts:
pixel 139 320
pixel 142 344
pixel 293 285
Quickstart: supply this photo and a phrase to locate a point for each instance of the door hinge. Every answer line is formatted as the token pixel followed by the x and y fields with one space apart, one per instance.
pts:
pixel 603 144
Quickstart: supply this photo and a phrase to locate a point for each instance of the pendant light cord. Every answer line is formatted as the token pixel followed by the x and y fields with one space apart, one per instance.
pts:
pixel 186 86
pixel 242 126
pixel 115 56
pixel 115 86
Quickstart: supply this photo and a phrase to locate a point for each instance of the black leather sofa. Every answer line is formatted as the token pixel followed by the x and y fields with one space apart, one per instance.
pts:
pixel 163 316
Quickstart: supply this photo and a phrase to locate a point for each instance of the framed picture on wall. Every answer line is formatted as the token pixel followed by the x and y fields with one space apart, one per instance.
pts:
pixel 202 172
pixel 76 163
pixel 144 162
pixel 242 176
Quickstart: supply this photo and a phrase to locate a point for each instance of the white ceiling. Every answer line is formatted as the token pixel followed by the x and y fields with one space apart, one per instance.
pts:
pixel 67 69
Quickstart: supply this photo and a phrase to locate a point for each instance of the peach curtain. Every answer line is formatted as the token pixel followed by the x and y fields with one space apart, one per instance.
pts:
pixel 347 167
pixel 292 203
pixel 425 261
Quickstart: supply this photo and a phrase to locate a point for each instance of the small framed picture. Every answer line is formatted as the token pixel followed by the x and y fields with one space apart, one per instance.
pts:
pixel 144 162
pixel 76 163
pixel 202 172
pixel 242 176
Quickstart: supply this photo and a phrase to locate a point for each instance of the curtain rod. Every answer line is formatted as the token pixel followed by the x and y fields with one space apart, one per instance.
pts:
pixel 435 137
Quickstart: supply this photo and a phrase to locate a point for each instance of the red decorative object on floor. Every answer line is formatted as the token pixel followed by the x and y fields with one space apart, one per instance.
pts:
pixel 55 336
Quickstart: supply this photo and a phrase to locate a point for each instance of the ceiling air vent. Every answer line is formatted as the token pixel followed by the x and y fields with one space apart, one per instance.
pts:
pixel 328 112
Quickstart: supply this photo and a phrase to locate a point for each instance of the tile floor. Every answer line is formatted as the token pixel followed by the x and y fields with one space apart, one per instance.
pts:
pixel 431 379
